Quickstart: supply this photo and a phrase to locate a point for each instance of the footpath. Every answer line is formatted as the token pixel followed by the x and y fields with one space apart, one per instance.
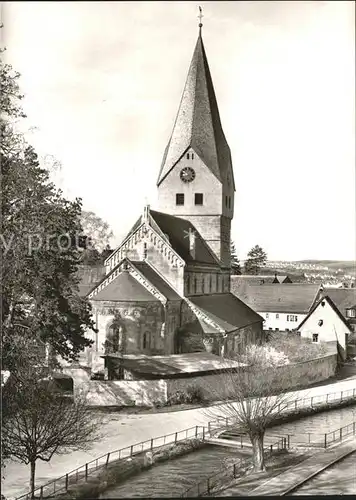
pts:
pixel 119 431
pixel 290 480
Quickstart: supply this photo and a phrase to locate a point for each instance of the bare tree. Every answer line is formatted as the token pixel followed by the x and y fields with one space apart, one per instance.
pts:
pixel 38 421
pixel 255 395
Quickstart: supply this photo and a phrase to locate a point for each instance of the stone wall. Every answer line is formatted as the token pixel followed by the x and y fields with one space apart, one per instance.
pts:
pixel 214 387
pixel 117 392
pixel 126 392
pixel 217 387
pixel 137 319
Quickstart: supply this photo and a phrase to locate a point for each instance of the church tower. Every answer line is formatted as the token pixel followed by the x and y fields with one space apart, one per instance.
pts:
pixel 196 180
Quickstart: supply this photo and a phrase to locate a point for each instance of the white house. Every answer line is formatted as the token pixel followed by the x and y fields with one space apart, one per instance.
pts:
pixel 282 306
pixel 325 323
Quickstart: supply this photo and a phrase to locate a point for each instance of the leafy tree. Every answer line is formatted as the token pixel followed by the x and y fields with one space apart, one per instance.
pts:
pixel 257 397
pixel 39 421
pixel 39 243
pixel 235 263
pixel 98 234
pixel 256 258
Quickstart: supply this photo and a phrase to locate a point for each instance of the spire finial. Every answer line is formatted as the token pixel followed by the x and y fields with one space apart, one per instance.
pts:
pixel 200 17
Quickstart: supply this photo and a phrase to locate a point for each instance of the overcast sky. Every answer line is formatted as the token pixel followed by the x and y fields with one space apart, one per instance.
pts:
pixel 103 81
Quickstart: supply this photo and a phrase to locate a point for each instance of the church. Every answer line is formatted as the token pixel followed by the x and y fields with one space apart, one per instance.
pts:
pixel 166 288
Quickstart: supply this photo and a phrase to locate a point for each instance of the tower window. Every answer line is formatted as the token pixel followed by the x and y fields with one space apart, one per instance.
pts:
pixel 188 156
pixel 225 201
pixel 180 199
pixel 229 201
pixel 146 343
pixel 145 250
pixel 198 198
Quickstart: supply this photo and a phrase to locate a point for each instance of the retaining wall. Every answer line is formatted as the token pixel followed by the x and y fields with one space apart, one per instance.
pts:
pixel 219 386
pixel 213 387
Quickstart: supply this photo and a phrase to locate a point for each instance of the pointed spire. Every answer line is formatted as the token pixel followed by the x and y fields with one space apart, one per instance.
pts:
pixel 197 124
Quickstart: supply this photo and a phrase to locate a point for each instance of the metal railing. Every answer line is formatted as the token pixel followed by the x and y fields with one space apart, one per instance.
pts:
pixel 291 406
pixel 339 434
pixel 82 472
pixel 210 483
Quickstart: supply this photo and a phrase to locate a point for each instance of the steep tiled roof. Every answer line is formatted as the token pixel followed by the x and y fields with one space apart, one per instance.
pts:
pixel 288 298
pixel 162 286
pixel 178 230
pixel 226 310
pixel 343 298
pixel 125 288
pixel 198 122
pixel 332 305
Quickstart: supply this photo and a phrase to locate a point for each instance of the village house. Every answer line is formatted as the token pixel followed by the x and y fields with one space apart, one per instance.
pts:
pixel 325 323
pixel 166 287
pixel 345 300
pixel 283 306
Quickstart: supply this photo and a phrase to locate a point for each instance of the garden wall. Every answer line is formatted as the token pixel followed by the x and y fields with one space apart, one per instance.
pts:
pixel 117 392
pixel 213 387
pixel 220 386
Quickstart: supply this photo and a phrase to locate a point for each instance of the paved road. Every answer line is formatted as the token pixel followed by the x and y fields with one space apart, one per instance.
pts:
pixel 123 430
pixel 340 479
pixel 282 484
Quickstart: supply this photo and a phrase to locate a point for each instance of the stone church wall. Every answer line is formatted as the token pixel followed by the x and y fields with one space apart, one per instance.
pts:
pixel 141 325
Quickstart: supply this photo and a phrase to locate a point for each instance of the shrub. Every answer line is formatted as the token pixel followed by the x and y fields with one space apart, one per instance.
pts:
pixel 265 356
pixel 192 395
pixel 297 348
pixel 195 394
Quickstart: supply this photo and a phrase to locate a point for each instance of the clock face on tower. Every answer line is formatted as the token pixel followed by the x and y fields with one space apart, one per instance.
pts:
pixel 187 174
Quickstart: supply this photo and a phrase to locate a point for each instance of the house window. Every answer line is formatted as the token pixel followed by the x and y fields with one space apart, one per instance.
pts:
pixel 180 199
pixel 210 283
pixel 315 337
pixel 192 156
pixel 267 315
pixel 198 198
pixel 188 156
pixel 277 316
pixel 195 285
pixel 291 317
pixel 351 313
pixel 203 284
pixel 320 322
